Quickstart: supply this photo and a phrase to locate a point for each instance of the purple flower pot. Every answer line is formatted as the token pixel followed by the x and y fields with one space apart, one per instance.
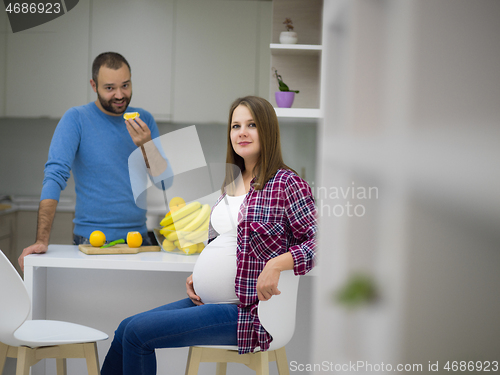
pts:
pixel 284 99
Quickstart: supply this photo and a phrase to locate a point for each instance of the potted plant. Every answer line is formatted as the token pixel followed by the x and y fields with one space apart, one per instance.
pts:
pixel 285 96
pixel 289 36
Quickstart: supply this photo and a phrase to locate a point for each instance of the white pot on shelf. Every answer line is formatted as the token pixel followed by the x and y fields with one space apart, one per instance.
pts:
pixel 288 37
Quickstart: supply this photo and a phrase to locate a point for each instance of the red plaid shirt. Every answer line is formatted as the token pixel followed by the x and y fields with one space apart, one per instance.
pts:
pixel 279 218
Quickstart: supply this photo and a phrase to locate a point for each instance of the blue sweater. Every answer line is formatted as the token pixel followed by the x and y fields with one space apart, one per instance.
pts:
pixel 96 147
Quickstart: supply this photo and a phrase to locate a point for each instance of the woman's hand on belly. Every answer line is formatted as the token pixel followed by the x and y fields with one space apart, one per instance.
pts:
pixel 190 291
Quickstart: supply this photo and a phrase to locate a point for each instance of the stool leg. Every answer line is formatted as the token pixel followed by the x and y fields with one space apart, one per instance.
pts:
pixel 262 367
pixel 92 358
pixel 221 368
pixel 24 355
pixel 282 362
pixel 193 362
pixel 62 368
pixel 4 348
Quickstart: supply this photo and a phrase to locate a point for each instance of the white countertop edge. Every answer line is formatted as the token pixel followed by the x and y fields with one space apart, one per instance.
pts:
pixel 68 256
pixel 113 265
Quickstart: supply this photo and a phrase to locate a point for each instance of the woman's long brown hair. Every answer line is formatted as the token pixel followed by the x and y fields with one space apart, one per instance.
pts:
pixel 270 158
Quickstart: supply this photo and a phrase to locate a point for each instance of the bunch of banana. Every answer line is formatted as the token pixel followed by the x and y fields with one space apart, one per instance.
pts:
pixel 186 228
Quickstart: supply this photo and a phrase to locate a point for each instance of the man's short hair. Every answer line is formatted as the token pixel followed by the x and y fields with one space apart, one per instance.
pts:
pixel 111 60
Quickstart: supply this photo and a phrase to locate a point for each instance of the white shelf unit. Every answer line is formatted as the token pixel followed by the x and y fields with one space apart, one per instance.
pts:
pixel 416 121
pixel 298 64
pixel 295 49
pixel 306 113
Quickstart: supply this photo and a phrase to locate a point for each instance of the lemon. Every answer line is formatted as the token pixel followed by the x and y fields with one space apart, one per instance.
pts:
pixel 190 248
pixel 168 245
pixel 201 246
pixel 130 115
pixel 176 203
pixel 97 238
pixel 134 239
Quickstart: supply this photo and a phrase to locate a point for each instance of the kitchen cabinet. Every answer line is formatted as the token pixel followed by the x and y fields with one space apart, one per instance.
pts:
pixel 299 64
pixel 221 53
pixel 409 112
pixel 26 225
pixel 142 31
pixel 62 228
pixel 4 26
pixel 46 67
pixel 7 234
pixel 189 59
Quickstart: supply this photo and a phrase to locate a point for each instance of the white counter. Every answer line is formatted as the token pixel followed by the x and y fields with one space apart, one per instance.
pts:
pixel 102 290
pixel 68 256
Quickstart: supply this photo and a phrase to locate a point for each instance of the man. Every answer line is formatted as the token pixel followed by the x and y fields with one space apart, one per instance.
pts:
pixel 95 142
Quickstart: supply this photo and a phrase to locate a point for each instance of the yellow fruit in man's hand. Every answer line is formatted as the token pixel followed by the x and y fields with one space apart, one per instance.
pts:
pixel 134 239
pixel 97 238
pixel 130 115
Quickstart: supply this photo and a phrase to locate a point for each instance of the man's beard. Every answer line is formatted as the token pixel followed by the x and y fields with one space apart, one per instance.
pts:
pixel 108 105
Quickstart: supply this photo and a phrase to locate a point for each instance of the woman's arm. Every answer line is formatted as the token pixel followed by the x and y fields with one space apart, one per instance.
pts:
pixel 267 283
pixel 301 214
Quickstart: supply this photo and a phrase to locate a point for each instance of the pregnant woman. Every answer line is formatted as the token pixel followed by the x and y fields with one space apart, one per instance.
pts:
pixel 263 223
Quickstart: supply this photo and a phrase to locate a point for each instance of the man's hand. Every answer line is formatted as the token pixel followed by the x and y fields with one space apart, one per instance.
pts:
pixel 139 131
pixel 141 136
pixel 46 212
pixel 37 248
pixel 191 293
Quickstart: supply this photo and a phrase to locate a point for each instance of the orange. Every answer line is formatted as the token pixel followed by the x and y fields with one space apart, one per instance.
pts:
pixel 130 115
pixel 176 203
pixel 97 238
pixel 134 239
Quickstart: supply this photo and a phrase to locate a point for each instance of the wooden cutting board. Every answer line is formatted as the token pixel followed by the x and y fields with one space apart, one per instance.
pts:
pixel 116 249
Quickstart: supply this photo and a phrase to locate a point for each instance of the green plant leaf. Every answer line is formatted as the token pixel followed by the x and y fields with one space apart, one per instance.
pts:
pixel 282 86
pixel 358 290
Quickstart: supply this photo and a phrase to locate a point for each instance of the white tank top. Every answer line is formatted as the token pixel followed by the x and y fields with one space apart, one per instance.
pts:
pixel 215 269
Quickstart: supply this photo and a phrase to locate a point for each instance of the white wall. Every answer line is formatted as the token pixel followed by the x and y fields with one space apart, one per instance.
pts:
pixel 411 94
pixel 205 64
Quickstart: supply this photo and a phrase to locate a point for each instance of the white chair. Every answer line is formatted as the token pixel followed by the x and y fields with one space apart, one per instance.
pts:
pixel 277 315
pixel 32 340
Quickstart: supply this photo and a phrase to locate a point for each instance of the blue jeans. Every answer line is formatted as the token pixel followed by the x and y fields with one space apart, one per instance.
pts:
pixel 178 324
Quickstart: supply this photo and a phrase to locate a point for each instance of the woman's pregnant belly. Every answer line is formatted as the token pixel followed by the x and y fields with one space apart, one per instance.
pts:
pixel 215 271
